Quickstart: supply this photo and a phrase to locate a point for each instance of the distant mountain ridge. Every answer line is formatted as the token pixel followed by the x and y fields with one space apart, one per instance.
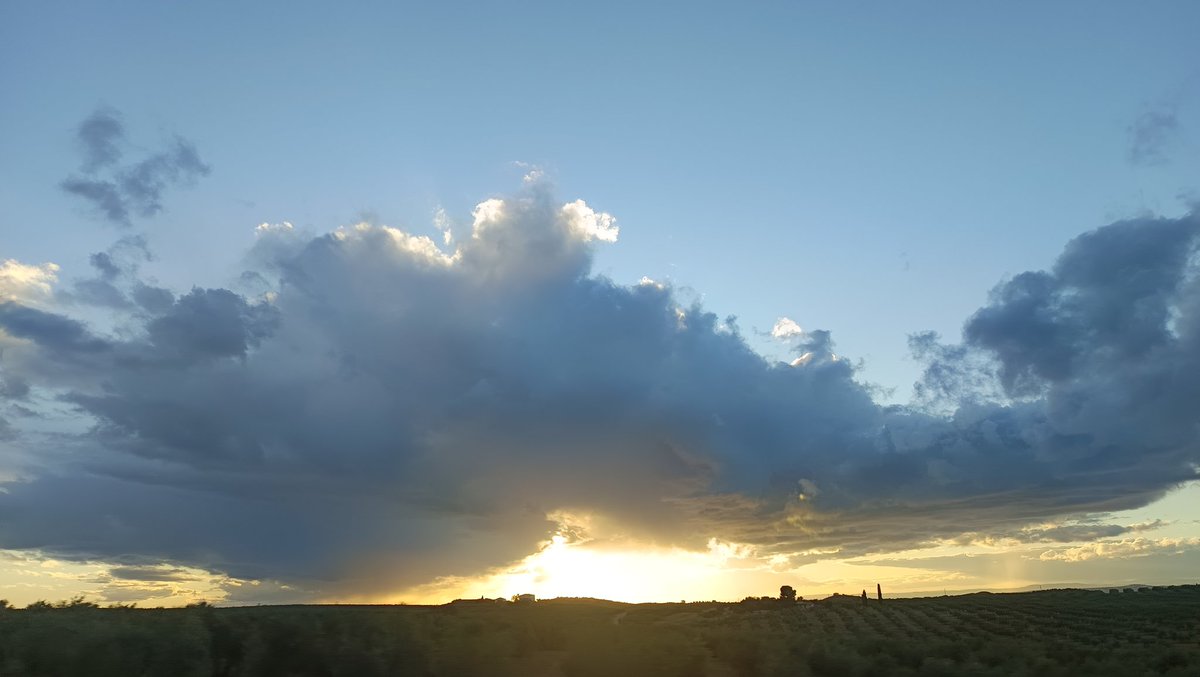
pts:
pixel 1029 588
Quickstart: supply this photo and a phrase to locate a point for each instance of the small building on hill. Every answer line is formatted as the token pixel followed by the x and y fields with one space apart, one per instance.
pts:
pixel 524 598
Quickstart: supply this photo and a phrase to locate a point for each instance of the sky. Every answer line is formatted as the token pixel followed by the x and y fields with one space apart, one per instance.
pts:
pixel 409 302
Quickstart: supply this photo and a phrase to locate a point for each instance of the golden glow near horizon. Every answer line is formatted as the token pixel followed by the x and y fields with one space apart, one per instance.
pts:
pixel 27 577
pixel 569 566
pixel 725 571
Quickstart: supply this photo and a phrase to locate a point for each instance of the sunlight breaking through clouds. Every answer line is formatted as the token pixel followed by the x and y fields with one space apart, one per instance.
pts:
pixel 384 411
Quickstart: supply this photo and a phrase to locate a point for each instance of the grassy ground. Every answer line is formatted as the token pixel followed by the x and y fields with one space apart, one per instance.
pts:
pixel 1058 632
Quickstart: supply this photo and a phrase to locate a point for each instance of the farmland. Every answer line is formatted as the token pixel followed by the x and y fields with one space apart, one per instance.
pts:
pixel 1058 632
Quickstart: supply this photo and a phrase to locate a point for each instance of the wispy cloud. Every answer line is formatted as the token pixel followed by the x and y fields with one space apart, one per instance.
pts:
pixel 120 192
pixel 1151 136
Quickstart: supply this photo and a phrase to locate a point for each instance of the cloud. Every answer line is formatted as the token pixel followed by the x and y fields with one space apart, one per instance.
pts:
pixel 1151 135
pixel 104 196
pixel 120 192
pixel 1132 547
pixel 100 137
pixel 1057 533
pixel 786 328
pixel 1102 330
pixel 589 224
pixel 150 573
pixel 210 323
pixel 28 284
pixel 55 334
pixel 388 412
pixel 115 282
pixel 1018 568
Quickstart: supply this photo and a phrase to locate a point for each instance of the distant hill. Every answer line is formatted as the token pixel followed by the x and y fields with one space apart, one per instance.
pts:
pixel 1026 588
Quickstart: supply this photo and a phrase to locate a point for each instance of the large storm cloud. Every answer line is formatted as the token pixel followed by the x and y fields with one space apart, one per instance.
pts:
pixel 391 409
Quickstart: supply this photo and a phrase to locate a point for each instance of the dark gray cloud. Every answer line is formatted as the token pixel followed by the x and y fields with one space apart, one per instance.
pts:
pixel 12 387
pixel 115 283
pixel 97 292
pixel 1084 530
pixel 119 192
pixel 104 196
pixel 389 412
pixel 100 138
pixel 1110 296
pixel 210 323
pixel 103 263
pixel 57 334
pixel 152 299
pixel 142 184
pixel 1151 135
pixel 149 573
pixel 22 411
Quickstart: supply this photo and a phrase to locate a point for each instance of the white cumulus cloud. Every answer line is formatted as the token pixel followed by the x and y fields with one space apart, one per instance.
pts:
pixel 786 328
pixel 26 283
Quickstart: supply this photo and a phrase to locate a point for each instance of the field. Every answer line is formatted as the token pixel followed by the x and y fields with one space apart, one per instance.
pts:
pixel 1058 632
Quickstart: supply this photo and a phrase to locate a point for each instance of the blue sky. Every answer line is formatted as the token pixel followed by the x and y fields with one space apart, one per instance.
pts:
pixel 870 170
pixel 873 171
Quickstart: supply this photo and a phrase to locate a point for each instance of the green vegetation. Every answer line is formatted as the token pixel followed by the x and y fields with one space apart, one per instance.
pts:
pixel 1059 632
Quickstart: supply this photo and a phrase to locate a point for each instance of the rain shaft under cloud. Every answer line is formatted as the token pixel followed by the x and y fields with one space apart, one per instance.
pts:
pixel 383 411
